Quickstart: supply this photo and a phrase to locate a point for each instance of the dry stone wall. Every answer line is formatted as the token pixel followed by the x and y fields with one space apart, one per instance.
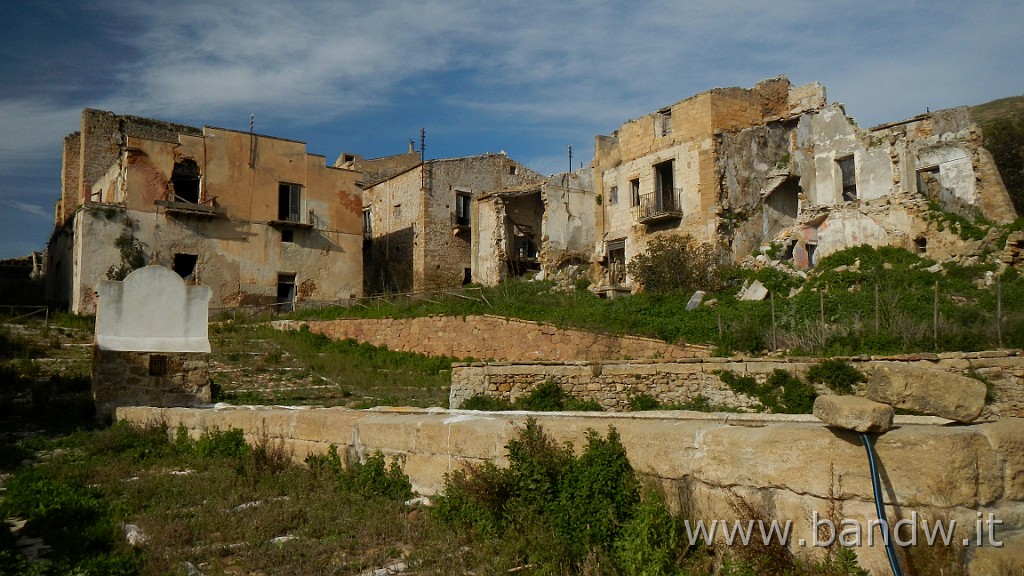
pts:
pixel 790 467
pixel 612 383
pixel 495 338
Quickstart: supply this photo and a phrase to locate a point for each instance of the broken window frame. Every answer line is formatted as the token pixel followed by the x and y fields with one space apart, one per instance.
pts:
pixel 289 202
pixel 286 291
pixel 613 195
pixel 186 180
pixel 463 208
pixel 847 166
pixel 663 122
pixel 367 223
pixel 634 192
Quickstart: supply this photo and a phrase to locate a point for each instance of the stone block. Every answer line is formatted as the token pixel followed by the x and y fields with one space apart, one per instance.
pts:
pixel 1007 439
pixel 852 413
pixel 927 390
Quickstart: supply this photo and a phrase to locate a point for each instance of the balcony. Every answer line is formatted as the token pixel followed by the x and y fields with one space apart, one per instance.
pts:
pixel 174 204
pixel 658 206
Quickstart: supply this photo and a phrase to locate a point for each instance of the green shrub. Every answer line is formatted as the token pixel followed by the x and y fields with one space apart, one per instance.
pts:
pixel 547 397
pixel 678 264
pixel 373 478
pixel 782 392
pixel 643 401
pixel 486 403
pixel 582 503
pixel 839 375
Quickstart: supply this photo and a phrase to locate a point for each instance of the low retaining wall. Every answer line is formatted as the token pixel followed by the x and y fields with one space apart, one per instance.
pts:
pixel 494 338
pixel 612 383
pixel 791 467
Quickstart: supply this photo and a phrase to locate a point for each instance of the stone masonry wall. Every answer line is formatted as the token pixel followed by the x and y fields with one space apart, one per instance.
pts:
pixel 789 467
pixel 129 378
pixel 495 338
pixel 612 383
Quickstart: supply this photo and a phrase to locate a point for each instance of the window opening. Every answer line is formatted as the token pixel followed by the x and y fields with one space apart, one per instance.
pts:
pixel 663 122
pixel 616 255
pixel 928 183
pixel 185 265
pixel 847 169
pixel 462 207
pixel 289 201
pixel 664 200
pixel 157 365
pixel 286 292
pixel 367 223
pixel 185 180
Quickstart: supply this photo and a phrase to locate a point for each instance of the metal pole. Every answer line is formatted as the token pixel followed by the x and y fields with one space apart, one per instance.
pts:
pixel 935 317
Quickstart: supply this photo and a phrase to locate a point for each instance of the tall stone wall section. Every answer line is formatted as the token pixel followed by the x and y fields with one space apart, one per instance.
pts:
pixel 495 338
pixel 789 467
pixel 612 384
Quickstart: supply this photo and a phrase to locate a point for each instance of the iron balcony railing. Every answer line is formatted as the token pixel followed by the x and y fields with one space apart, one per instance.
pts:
pixel 660 205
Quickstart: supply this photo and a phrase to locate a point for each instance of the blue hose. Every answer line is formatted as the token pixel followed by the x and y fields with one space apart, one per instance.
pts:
pixel 876 486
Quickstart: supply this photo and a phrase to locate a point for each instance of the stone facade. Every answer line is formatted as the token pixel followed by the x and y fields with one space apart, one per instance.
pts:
pixel 494 338
pixel 611 384
pixel 419 224
pixel 743 169
pixel 256 218
pixel 659 174
pixel 788 466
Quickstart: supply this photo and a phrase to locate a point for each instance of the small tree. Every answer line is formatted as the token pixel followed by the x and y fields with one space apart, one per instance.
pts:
pixel 678 263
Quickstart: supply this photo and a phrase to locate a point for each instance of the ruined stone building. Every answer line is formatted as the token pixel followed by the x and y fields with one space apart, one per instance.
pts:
pixel 746 168
pixel 256 218
pixel 419 223
pixel 534 230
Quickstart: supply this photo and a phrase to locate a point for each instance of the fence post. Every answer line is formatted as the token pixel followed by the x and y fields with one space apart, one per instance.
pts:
pixel 999 311
pixel 775 339
pixel 935 317
pixel 876 308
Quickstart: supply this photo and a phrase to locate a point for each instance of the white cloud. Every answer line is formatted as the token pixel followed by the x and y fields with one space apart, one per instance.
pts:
pixel 26 208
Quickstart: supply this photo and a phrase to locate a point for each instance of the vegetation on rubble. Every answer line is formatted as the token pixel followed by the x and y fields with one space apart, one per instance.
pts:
pixel 862 300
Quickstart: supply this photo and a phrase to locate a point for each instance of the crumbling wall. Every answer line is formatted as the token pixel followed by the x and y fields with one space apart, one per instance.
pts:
pixel 446 254
pixel 234 232
pixel 689 135
pixel 568 227
pixel 396 208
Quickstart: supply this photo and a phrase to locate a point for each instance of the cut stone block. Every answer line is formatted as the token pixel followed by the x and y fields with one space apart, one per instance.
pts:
pixel 853 413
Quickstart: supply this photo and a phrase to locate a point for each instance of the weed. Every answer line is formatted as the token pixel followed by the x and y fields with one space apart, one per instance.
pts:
pixel 839 375
pixel 643 401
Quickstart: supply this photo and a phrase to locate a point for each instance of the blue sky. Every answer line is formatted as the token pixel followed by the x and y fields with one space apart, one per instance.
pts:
pixel 529 77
